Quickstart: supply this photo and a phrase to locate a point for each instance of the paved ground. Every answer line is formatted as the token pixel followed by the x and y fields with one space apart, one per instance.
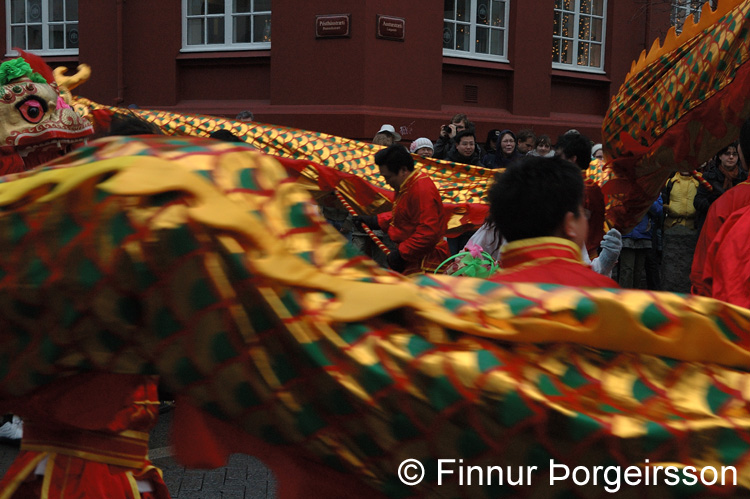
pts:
pixel 244 477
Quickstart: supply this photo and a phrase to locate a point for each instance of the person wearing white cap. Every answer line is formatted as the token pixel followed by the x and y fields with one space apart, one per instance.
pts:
pixel 386 136
pixel 422 146
pixel 597 152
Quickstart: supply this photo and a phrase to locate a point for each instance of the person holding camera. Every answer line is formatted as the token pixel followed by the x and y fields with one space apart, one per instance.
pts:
pixel 445 141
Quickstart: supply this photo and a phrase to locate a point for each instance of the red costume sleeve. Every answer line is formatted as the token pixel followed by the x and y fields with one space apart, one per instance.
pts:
pixel 424 214
pixel 729 260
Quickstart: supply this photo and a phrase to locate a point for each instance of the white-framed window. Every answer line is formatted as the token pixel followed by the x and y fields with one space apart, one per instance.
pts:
pixel 476 29
pixel 46 27
pixel 578 35
pixel 681 9
pixel 226 25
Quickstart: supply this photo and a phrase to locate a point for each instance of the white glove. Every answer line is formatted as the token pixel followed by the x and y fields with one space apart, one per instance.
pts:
pixel 611 247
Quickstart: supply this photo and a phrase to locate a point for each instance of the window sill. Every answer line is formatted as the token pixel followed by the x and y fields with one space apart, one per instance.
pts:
pixel 243 54
pixel 476 63
pixel 579 75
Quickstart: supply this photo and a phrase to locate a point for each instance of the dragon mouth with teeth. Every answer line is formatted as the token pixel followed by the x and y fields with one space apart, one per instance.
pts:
pixel 46 141
pixel 37 124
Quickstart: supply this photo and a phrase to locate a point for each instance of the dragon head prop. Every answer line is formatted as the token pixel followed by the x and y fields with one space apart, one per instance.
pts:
pixel 37 124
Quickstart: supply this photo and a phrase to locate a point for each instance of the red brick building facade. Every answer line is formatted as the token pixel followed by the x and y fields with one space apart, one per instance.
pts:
pixel 549 65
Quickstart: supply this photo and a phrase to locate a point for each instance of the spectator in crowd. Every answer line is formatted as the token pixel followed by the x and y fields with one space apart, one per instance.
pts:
pixel 576 148
pixel 636 244
pixel 386 136
pixel 465 149
pixel 543 147
pixel 680 235
pixel 725 172
pixel 597 152
pixel 245 116
pixel 526 141
pixel 702 270
pixel 458 123
pixel 418 223
pixel 537 205
pixel 423 147
pixel 506 153
pixel 490 145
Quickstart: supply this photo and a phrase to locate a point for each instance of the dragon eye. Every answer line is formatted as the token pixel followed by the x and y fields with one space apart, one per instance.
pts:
pixel 32 110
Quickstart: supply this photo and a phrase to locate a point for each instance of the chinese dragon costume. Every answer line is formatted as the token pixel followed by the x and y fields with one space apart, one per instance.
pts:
pixel 207 264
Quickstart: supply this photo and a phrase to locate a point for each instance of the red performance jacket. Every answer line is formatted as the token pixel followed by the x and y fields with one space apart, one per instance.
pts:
pixel 418 224
pixel 701 272
pixel 550 260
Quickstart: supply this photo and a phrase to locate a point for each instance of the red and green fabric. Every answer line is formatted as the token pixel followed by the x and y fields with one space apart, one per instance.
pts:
pixel 205 263
pixel 679 105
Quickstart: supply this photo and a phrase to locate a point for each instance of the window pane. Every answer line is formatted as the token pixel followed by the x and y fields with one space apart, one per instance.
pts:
pixel 18 12
pixel 483 42
pixel 568 5
pixel 598 7
pixel 497 42
pixel 449 35
pixel 584 28
pixel 449 9
pixel 195 32
pixel 241 6
pixel 482 13
pixel 215 27
pixel 34 35
pixel 498 13
pixel 18 36
pixel 555 50
pixel 558 4
pixel 71 35
pixel 557 25
pixel 462 37
pixel 215 7
pixel 57 36
pixel 462 10
pixel 566 51
pixel 196 7
pixel 241 29
pixel 262 28
pixel 583 54
pixel 596 29
pixel 262 6
pixel 567 26
pixel 35 12
pixel 585 7
pixel 55 10
pixel 595 57
pixel 71 10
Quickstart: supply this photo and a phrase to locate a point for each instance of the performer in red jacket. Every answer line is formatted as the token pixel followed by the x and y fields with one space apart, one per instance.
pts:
pixel 418 222
pixel 537 205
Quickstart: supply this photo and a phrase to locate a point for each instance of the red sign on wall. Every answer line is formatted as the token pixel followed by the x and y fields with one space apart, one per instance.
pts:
pixel 333 26
pixel 391 28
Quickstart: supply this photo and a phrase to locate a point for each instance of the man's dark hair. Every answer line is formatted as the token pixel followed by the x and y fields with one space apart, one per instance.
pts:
pixel 469 132
pixel 130 124
pixel 225 135
pixel 525 135
pixel 533 195
pixel 394 157
pixel 575 144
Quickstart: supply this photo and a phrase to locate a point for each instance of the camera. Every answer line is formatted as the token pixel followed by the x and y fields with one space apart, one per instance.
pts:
pixel 447 129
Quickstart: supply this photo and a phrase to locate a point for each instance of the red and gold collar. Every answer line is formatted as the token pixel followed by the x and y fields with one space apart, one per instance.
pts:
pixel 538 250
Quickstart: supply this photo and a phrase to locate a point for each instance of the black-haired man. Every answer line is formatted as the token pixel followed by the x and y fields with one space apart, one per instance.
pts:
pixel 418 222
pixel 537 205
